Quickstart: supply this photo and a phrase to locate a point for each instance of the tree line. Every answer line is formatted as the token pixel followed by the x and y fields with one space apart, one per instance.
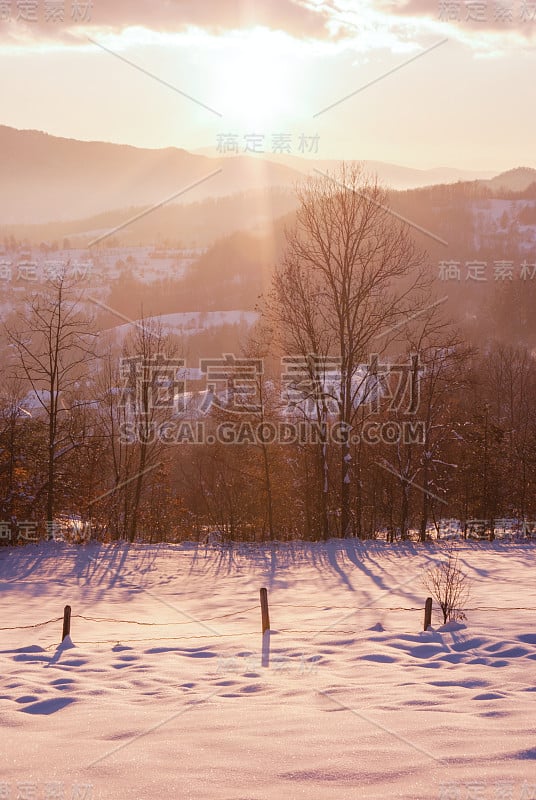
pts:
pixel 355 408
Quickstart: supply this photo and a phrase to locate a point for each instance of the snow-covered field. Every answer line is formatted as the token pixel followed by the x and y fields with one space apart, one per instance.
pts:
pixel 166 691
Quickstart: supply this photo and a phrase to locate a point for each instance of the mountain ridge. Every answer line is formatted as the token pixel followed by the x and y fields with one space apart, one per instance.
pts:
pixel 48 178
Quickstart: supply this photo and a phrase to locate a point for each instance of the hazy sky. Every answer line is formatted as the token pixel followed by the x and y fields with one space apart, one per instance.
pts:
pixel 267 68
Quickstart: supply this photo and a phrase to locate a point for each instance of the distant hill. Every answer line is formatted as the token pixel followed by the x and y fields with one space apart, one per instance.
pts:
pixel 189 224
pixel 46 178
pixel 200 224
pixel 515 180
pixel 393 176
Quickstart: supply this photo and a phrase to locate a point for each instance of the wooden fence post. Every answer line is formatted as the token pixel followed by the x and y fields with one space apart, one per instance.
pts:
pixel 264 611
pixel 66 622
pixel 428 613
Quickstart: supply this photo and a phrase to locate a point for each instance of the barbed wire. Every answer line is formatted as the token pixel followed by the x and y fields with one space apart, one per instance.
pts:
pixel 37 625
pixel 255 608
pixel 184 622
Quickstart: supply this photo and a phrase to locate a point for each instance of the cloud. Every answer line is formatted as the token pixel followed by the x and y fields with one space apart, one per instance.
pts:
pixel 48 20
pixel 480 23
pixel 505 18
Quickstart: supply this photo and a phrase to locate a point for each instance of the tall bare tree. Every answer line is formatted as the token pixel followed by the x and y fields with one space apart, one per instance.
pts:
pixel 350 273
pixel 53 346
pixel 151 381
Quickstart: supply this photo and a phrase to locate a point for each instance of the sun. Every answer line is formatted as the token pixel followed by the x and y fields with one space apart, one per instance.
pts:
pixel 257 81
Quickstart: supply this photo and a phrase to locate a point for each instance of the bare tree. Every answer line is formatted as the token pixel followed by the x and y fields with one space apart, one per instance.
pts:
pixel 510 383
pixel 117 456
pixel 439 358
pixel 449 586
pixel 53 346
pixel 11 443
pixel 350 274
pixel 150 367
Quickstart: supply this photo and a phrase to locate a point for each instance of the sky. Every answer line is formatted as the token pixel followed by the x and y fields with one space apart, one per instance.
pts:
pixel 424 83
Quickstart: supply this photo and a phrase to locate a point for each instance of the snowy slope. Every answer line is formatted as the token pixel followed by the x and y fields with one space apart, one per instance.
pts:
pixel 164 692
pixel 188 323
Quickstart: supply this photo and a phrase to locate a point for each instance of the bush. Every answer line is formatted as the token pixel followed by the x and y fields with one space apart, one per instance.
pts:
pixel 449 586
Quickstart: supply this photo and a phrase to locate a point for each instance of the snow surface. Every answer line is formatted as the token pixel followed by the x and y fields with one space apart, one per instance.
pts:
pixel 348 699
pixel 188 323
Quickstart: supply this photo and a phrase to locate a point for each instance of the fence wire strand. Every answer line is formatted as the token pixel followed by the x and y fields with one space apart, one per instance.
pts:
pixel 247 610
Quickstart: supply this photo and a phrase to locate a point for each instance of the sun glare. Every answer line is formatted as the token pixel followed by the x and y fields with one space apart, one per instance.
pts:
pixel 257 80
